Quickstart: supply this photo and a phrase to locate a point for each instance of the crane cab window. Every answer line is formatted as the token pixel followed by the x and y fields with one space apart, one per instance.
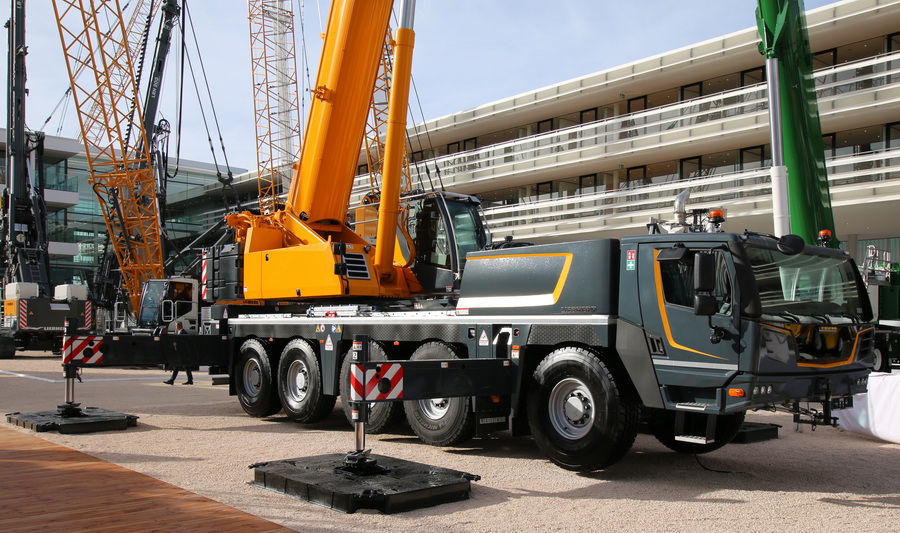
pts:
pixel 428 229
pixel 437 244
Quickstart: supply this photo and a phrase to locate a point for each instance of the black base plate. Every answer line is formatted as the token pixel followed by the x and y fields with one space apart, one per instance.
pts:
pixel 89 420
pixel 397 486
pixel 755 432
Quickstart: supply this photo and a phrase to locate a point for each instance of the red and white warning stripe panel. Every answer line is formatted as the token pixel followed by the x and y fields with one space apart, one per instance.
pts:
pixel 85 350
pixel 204 265
pixel 23 314
pixel 88 315
pixel 380 384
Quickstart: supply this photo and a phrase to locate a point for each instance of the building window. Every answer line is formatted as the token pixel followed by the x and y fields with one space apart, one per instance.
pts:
pixel 752 158
pixel 753 76
pixel 588 115
pixel 689 92
pixel 689 167
pixel 545 126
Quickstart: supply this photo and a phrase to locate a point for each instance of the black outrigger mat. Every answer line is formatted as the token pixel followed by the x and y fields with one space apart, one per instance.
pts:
pixel 398 485
pixel 89 420
pixel 756 432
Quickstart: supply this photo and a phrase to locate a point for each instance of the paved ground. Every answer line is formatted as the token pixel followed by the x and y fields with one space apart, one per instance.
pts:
pixel 198 438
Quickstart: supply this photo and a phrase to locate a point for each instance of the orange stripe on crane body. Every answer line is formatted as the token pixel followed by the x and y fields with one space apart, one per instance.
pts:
pixel 661 300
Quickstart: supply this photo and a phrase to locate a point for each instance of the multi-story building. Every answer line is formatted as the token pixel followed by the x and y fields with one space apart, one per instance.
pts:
pixel 75 225
pixel 597 156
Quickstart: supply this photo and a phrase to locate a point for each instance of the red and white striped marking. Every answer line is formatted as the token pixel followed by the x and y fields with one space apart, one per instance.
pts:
pixel 88 315
pixel 204 264
pixel 364 384
pixel 23 314
pixel 83 349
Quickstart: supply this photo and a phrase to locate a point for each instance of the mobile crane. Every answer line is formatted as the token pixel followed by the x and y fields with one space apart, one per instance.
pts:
pixel 577 343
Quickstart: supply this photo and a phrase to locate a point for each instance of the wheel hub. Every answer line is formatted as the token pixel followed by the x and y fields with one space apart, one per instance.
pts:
pixel 577 408
pixel 436 408
pixel 299 374
pixel 571 408
pixel 252 377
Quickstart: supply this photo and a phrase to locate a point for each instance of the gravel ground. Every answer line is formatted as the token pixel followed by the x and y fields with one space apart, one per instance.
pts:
pixel 198 438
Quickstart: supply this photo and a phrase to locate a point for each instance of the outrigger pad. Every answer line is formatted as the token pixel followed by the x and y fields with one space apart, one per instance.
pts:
pixel 756 432
pixel 398 485
pixel 89 420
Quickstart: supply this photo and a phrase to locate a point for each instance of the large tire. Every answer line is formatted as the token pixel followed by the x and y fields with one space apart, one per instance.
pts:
pixel 7 348
pixel 255 380
pixel 662 423
pixel 440 421
pixel 300 384
pixel 880 362
pixel 383 416
pixel 580 416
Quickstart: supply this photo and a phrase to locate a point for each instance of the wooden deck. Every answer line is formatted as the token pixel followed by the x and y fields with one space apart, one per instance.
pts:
pixel 47 488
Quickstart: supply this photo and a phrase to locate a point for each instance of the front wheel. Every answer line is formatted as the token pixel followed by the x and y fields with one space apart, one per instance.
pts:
pixel 383 416
pixel 440 421
pixel 255 381
pixel 300 384
pixel 580 416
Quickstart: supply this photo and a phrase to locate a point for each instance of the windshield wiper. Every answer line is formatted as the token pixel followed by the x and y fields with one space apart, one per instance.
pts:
pixel 853 318
pixel 787 315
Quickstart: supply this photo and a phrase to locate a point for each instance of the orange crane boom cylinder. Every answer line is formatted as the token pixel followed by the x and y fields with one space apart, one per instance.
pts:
pixel 340 104
pixel 389 208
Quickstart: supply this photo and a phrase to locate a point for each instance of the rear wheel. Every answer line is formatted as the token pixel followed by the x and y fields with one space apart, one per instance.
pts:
pixel 880 362
pixel 300 384
pixel 383 416
pixel 581 418
pixel 440 421
pixel 255 381
pixel 662 423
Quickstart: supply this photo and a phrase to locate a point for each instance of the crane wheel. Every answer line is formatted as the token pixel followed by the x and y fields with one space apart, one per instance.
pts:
pixel 255 380
pixel 300 383
pixel 440 421
pixel 581 418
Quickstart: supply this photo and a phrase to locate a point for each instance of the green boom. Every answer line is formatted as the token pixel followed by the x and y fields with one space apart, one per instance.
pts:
pixel 782 28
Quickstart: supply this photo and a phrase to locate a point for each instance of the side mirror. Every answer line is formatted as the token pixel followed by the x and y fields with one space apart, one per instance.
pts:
pixel 790 244
pixel 705 305
pixel 704 272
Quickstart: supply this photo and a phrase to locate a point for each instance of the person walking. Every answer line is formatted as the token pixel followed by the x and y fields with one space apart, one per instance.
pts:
pixel 179 330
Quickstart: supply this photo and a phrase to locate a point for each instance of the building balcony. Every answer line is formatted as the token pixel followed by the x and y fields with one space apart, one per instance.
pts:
pixel 850 95
pixel 862 187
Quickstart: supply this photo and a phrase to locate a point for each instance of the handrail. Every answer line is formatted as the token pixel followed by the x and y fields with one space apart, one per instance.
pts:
pixel 744 102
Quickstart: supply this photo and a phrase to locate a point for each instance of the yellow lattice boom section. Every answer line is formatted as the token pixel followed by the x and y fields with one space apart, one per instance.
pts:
pixel 109 114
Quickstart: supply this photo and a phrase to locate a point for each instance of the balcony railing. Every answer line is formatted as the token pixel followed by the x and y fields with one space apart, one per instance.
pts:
pixel 871 81
pixel 741 194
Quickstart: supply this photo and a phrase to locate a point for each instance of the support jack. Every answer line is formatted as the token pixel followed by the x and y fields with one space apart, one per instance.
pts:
pixel 69 416
pixel 358 480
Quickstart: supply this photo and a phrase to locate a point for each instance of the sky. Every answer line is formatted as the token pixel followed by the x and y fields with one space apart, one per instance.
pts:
pixel 467 53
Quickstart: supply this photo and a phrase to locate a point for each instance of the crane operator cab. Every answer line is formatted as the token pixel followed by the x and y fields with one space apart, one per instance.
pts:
pixel 444 227
pixel 167 301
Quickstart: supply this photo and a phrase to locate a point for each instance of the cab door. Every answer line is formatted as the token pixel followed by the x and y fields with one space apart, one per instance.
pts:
pixel 687 349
